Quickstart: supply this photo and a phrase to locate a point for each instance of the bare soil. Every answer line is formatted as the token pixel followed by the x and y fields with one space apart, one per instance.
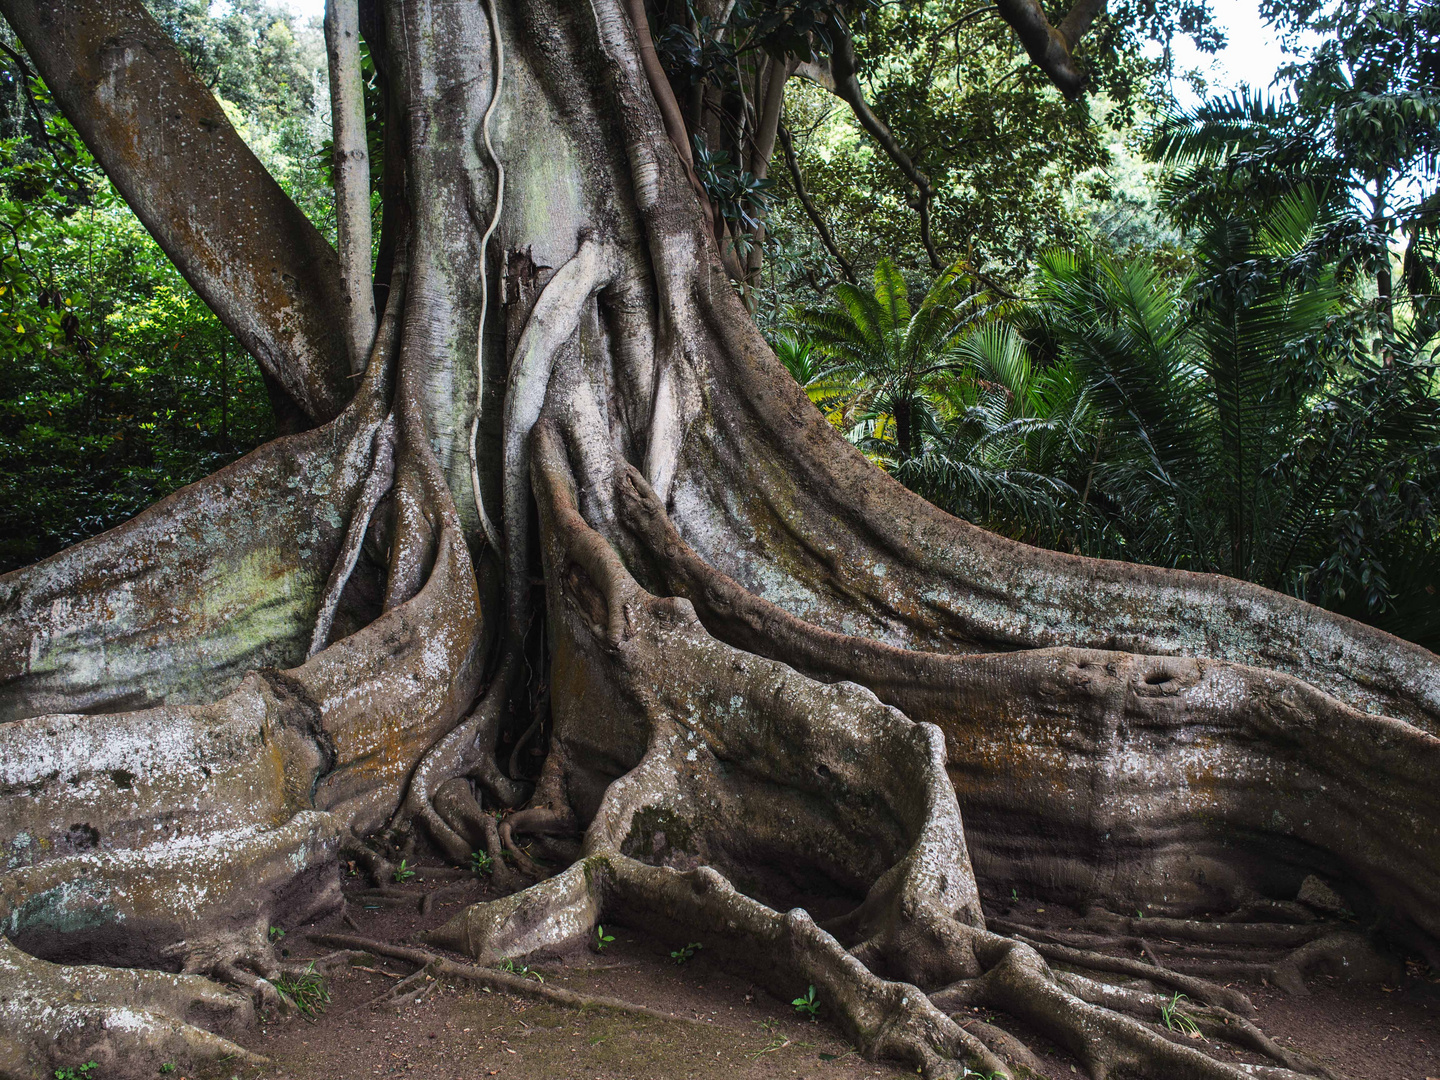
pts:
pixel 718 1025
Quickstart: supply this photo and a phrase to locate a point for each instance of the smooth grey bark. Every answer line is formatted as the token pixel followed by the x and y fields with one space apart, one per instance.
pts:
pixel 351 156
pixel 767 666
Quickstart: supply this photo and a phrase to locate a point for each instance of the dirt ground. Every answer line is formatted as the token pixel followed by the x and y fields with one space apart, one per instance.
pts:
pixel 715 1025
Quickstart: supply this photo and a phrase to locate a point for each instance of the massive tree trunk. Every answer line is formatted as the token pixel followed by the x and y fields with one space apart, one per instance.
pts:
pixel 794 711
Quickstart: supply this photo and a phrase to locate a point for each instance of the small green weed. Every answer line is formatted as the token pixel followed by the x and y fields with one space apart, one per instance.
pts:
pixel 402 873
pixel 77 1072
pixel 276 933
pixel 481 862
pixel 522 970
pixel 686 952
pixel 602 938
pixel 1175 1020
pixel 809 1005
pixel 777 1043
pixel 168 1067
pixel 306 991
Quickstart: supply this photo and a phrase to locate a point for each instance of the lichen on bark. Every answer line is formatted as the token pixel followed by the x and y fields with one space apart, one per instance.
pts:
pixel 787 708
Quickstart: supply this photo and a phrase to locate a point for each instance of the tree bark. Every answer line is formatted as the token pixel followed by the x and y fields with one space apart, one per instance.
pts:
pixel 173 155
pixel 766 663
pixel 351 156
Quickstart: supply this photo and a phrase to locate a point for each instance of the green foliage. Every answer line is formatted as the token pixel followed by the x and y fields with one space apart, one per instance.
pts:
pixel 808 1004
pixel 269 73
pixel 77 1072
pixel 886 361
pixel 276 933
pixel 481 862
pixel 1358 125
pixel 740 198
pixel 685 952
pixel 523 970
pixel 1002 148
pixel 402 873
pixel 1176 1020
pixel 120 386
pixel 1242 420
pixel 1247 427
pixel 602 939
pixel 168 1067
pixel 1009 442
pixel 306 991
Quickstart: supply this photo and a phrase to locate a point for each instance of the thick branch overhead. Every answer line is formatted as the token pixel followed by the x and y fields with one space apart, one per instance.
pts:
pixel 169 148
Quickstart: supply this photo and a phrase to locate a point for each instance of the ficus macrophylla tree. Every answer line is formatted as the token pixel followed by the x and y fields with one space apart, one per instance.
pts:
pixel 556 492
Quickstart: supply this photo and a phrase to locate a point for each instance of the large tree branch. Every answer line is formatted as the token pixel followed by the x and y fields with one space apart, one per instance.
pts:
pixel 840 80
pixel 1052 48
pixel 164 141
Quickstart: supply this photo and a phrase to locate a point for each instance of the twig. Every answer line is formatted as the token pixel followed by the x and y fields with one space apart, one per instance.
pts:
pixel 826 238
pixel 493 979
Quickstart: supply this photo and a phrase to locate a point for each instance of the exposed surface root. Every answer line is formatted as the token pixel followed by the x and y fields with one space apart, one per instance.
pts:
pixel 495 979
pixel 540 820
pixel 1105 1040
pixel 129 1022
pixel 1209 1020
pixel 1281 954
pixel 1018 1057
pixel 1157 781
pixel 1197 988
pixel 727 737
pixel 378 868
pixel 456 805
pixel 468 748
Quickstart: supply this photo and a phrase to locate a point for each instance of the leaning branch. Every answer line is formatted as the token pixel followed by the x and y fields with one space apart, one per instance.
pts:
pixel 251 253
pixel 1051 48
pixel 352 174
pixel 811 211
pixel 846 87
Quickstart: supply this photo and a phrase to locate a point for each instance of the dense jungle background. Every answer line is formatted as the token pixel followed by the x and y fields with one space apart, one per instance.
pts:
pixel 1199 337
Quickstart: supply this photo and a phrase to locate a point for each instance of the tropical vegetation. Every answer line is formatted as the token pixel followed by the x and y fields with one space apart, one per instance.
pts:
pixel 1197 338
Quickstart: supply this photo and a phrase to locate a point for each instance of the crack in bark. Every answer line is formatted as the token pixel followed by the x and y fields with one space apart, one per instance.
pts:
pixel 755 621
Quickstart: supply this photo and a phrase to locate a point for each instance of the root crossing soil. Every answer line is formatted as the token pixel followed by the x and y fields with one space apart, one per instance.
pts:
pixel 713 1025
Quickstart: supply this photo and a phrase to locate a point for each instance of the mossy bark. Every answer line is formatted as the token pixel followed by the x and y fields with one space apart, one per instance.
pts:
pixel 786 707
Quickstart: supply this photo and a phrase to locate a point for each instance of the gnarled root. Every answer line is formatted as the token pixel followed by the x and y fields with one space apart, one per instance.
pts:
pixel 1281 954
pixel 128 1022
pixel 455 803
pixel 202 907
pixel 837 793
pixel 1163 781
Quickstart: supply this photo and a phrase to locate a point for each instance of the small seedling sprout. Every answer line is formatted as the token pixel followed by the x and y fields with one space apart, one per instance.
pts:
pixel 306 991
pixel 684 953
pixel 809 1005
pixel 1176 1020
